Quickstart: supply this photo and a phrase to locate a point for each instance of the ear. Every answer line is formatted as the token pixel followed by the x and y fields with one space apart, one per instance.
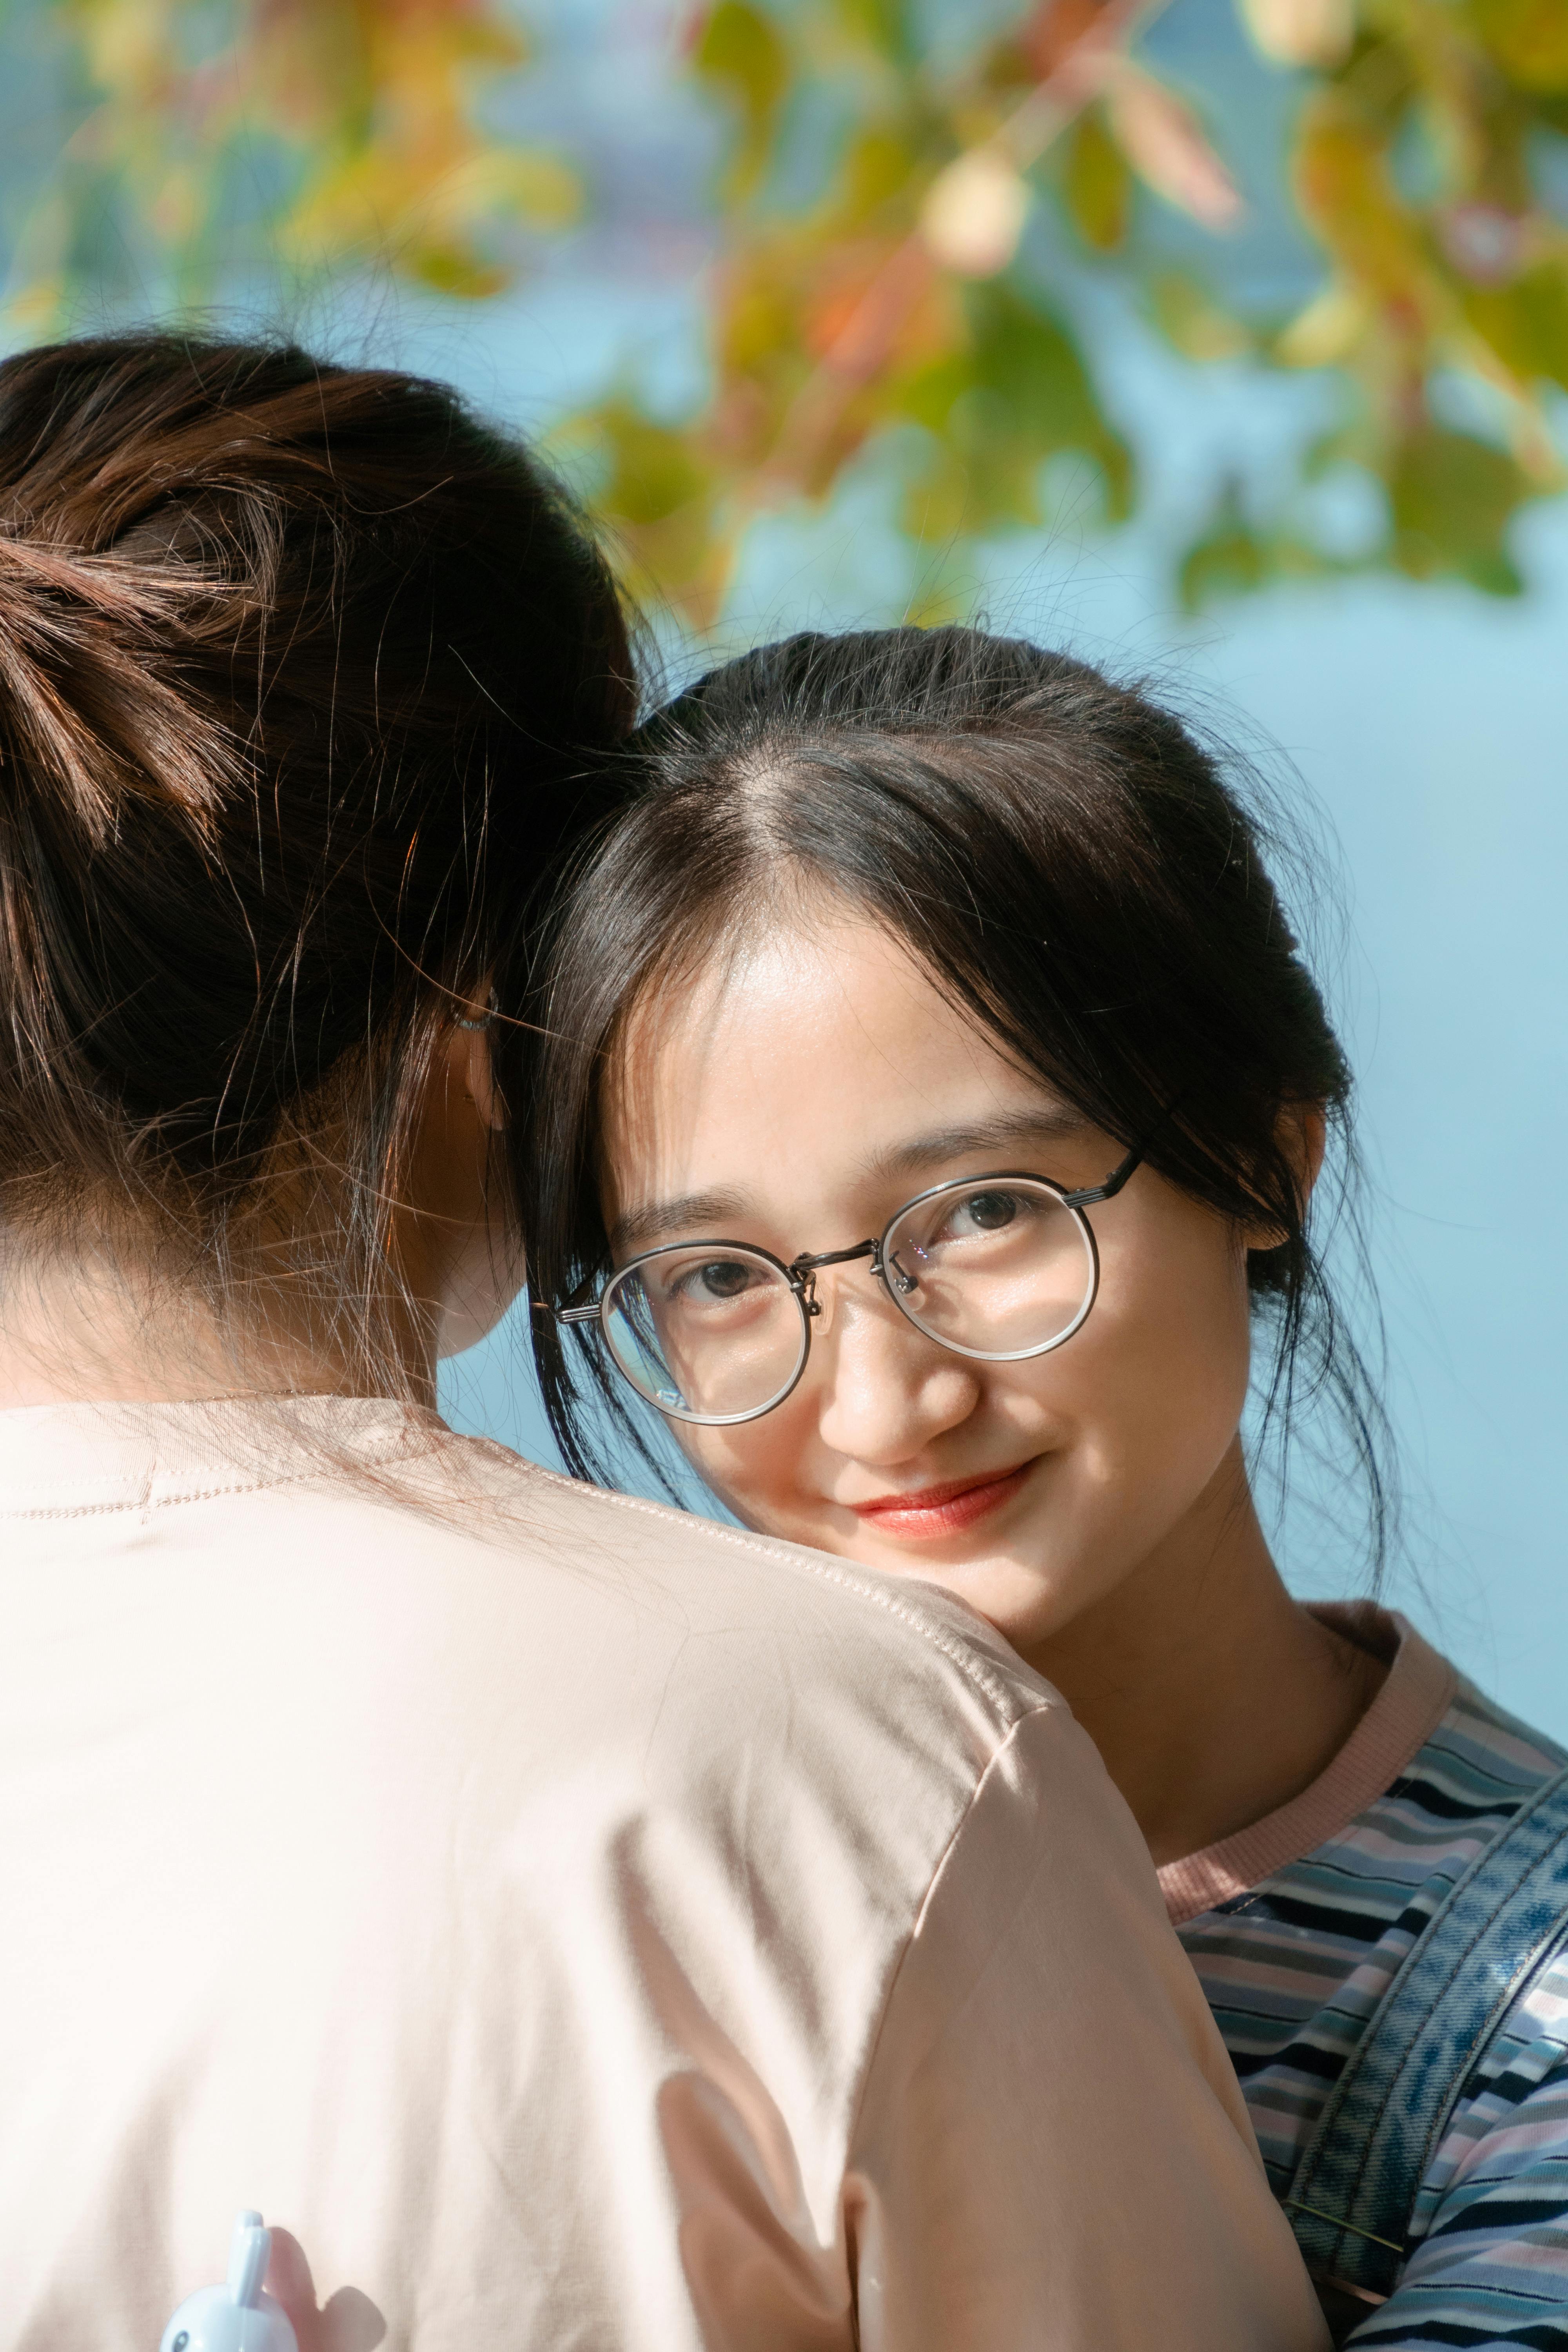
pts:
pixel 1301 1132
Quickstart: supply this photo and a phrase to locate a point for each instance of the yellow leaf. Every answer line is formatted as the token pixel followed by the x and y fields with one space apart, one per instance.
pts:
pixel 1529 38
pixel 1327 330
pixel 1345 190
pixel 759 320
pixel 451 269
pixel 178 205
pixel 538 187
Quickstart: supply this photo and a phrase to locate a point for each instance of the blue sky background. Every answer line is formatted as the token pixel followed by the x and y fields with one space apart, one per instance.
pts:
pixel 1421 731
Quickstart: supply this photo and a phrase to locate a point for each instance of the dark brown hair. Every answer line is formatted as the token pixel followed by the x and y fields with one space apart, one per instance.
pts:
pixel 306 680
pixel 1066 861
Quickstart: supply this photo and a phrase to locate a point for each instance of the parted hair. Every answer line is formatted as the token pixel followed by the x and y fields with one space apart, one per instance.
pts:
pixel 1069 862
pixel 306 680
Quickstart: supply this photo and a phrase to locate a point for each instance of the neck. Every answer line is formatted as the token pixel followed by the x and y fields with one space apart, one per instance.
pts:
pixel 98 1326
pixel 1213 1696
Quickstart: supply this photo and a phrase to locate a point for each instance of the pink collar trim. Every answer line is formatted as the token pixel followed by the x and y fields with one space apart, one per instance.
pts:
pixel 1416 1695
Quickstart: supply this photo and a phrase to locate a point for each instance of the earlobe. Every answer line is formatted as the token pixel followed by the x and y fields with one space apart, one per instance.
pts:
pixel 479 1077
pixel 472 1030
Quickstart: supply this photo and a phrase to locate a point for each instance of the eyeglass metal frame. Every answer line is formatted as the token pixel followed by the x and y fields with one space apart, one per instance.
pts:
pixel 800 1274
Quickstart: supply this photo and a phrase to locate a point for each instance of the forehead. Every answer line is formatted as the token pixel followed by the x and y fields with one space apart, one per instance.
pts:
pixel 794 1058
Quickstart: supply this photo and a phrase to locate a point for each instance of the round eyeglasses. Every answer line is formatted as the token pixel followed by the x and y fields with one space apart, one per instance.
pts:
pixel 999 1267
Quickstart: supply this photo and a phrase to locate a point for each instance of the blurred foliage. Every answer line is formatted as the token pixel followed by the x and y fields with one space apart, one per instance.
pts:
pixel 214 133
pixel 913 293
pixel 909 280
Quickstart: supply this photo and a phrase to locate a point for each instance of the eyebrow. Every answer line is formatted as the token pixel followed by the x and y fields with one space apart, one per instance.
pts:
pixel 653 1220
pixel 642 1227
pixel 1040 1124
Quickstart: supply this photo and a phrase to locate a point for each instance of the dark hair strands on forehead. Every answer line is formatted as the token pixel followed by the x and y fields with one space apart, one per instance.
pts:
pixel 1071 867
pixel 307 678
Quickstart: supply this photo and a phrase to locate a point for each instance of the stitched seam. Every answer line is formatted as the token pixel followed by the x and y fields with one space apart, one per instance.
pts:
pixel 198 1493
pixel 896 1976
pixel 1495 2016
pixel 819 1566
pixel 1492 2024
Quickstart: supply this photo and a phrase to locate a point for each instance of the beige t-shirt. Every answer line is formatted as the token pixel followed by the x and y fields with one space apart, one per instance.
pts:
pixel 582 1926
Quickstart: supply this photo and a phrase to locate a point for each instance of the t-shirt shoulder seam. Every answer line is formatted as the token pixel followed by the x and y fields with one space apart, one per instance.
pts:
pixel 147 1501
pixel 897 1972
pixel 1012 1704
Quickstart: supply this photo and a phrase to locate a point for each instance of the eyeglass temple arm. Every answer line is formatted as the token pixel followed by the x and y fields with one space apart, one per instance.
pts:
pixel 1094 1193
pixel 571 1314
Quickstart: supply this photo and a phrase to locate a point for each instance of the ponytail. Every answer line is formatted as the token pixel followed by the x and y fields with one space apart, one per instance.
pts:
pixel 90 708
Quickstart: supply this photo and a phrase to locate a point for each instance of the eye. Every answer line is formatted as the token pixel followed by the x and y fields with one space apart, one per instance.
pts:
pixel 181 2340
pixel 718 1277
pixel 987 1213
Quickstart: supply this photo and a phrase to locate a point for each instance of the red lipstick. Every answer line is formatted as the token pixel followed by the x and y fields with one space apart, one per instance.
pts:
pixel 944 1510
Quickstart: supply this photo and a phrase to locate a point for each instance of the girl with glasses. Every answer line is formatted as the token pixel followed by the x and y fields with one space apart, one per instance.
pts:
pixel 934 1102
pixel 581 1927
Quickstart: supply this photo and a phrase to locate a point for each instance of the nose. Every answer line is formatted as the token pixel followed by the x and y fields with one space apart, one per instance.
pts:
pixel 884 1391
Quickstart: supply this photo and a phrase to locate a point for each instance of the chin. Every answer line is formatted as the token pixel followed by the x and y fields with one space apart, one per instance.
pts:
pixel 1016 1601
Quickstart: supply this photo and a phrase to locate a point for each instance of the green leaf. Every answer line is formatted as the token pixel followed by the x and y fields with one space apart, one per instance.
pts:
pixel 1190 318
pixel 1035 381
pixel 1097 185
pixel 877 170
pixel 882 25
pixel 1233 557
pixel 1526 323
pixel 1453 498
pixel 742 54
pixel 652 471
pixel 1019 396
pixel 1229 560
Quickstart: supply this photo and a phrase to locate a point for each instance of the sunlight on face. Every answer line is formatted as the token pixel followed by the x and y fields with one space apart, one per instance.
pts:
pixel 793 1098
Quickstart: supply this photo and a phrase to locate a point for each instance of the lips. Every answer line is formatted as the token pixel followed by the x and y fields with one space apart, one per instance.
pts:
pixel 944 1510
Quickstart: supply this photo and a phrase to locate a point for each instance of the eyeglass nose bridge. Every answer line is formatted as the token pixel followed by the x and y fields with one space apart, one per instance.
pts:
pixel 802 1270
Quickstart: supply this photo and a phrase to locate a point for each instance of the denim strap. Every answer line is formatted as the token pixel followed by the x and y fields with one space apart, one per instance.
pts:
pixel 1495 1931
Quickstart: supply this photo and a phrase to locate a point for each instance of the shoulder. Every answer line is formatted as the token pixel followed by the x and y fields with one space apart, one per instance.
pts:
pixel 1465 1782
pixel 499 1621
pixel 626 1730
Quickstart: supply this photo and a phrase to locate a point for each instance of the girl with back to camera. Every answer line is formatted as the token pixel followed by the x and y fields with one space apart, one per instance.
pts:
pixel 582 1928
pixel 933 1106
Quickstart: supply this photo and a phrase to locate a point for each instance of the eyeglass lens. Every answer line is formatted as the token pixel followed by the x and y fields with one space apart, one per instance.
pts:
pixel 997 1270
pixel 706 1335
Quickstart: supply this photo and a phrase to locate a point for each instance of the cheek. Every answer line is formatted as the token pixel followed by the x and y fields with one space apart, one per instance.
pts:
pixel 1163 1373
pixel 753 1468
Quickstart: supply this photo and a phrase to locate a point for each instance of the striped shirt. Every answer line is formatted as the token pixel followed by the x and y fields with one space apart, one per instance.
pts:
pixel 1295 1926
